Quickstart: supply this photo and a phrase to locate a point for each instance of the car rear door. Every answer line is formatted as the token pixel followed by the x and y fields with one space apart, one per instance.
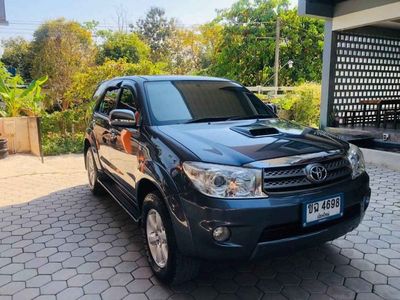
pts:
pixel 102 128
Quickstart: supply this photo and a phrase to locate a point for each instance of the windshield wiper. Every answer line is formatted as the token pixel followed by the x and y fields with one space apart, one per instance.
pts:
pixel 209 119
pixel 250 117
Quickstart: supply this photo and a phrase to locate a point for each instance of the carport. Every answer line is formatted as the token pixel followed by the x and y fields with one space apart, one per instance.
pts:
pixel 361 70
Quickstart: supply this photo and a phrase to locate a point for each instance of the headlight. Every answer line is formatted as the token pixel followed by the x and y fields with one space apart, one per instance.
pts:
pixel 225 181
pixel 356 159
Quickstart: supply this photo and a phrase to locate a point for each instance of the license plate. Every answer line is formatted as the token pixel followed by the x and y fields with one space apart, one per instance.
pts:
pixel 322 210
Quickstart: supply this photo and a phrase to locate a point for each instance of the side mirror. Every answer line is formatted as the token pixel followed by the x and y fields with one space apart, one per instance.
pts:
pixel 122 118
pixel 273 107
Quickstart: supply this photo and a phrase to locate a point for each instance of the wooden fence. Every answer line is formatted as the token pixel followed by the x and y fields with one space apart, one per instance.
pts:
pixel 269 89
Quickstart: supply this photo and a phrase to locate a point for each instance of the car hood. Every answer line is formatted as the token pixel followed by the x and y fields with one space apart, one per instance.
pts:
pixel 243 142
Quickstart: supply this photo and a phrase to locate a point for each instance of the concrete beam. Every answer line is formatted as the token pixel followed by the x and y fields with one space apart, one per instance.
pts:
pixel 367 16
pixel 315 8
pixel 351 6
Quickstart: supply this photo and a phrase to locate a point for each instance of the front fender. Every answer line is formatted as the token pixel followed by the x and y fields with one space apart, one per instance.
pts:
pixel 167 187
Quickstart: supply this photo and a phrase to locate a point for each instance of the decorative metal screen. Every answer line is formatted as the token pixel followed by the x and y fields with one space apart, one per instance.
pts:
pixel 366 68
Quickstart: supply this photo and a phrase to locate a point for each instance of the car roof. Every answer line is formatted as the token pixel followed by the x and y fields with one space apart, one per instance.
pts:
pixel 171 77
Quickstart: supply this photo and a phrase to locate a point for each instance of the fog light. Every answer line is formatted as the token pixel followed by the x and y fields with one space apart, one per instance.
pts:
pixel 221 234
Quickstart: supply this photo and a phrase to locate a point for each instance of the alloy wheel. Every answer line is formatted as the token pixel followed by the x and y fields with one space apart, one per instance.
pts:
pixel 157 238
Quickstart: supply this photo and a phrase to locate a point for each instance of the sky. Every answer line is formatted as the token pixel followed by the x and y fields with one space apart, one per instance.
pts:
pixel 24 16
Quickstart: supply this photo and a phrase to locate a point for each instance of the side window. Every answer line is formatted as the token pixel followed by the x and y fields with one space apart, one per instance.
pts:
pixel 109 101
pixel 127 100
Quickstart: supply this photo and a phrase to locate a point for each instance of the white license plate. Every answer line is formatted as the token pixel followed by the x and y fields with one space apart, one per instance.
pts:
pixel 322 210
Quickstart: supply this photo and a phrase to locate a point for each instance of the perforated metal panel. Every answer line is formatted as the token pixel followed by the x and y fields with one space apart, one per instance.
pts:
pixel 366 68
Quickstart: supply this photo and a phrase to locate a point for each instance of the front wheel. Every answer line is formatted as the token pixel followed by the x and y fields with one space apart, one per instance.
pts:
pixel 164 257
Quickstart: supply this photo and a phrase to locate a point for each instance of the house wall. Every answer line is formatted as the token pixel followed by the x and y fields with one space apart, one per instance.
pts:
pixel 22 134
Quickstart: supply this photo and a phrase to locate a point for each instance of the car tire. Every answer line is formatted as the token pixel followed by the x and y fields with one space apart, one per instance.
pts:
pixel 175 268
pixel 93 174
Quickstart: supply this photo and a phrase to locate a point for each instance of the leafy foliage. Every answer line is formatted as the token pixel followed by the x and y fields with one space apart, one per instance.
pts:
pixel 56 144
pixel 304 43
pixel 84 83
pixel 301 105
pixel 17 54
pixel 60 49
pixel 247 49
pixel 19 101
pixel 63 131
pixel 156 29
pixel 120 45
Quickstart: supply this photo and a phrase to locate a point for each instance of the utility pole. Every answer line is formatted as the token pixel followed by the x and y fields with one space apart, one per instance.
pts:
pixel 3 20
pixel 277 49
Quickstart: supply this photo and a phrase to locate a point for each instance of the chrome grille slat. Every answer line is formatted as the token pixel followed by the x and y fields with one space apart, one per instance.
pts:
pixel 292 178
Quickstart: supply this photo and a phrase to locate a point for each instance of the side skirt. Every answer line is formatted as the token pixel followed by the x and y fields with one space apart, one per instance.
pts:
pixel 119 196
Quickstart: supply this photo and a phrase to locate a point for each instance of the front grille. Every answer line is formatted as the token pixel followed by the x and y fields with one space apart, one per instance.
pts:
pixel 288 230
pixel 293 178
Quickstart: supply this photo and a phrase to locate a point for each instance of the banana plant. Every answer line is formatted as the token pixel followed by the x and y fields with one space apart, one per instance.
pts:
pixel 20 101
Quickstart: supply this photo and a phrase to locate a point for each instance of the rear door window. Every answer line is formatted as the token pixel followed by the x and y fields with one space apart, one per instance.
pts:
pixel 127 100
pixel 109 101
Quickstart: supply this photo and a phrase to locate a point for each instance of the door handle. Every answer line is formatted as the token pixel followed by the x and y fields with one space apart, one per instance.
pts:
pixel 113 136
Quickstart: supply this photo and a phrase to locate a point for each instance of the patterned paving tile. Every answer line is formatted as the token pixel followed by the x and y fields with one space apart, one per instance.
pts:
pixel 67 244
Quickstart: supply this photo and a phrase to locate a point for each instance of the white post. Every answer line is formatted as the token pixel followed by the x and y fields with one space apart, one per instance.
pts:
pixel 277 48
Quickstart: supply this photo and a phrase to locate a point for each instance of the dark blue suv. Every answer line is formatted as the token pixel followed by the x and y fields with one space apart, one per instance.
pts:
pixel 210 172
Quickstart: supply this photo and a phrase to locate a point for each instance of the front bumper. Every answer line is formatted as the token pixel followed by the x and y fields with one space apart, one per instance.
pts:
pixel 269 225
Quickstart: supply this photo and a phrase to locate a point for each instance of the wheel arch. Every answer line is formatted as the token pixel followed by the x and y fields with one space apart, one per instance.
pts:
pixel 144 187
pixel 180 223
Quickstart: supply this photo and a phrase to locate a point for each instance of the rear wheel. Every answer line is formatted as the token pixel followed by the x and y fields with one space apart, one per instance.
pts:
pixel 164 257
pixel 93 174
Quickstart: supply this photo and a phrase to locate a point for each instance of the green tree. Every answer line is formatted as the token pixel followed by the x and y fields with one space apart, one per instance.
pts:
pixel 156 29
pixel 17 54
pixel 302 104
pixel 211 39
pixel 85 82
pixel 247 49
pixel 191 51
pixel 119 45
pixel 185 51
pixel 60 49
pixel 304 43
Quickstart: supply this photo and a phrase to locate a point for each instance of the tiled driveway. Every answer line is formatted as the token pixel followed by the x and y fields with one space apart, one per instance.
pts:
pixel 58 241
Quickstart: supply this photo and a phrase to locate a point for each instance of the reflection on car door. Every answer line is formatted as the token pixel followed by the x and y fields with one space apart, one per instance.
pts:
pixel 102 128
pixel 125 146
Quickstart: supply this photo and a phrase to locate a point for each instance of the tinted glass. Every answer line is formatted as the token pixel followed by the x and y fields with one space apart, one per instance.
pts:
pixel 182 101
pixel 127 100
pixel 109 102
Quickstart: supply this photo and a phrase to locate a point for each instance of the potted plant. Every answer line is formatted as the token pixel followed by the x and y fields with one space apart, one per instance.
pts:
pixel 3 147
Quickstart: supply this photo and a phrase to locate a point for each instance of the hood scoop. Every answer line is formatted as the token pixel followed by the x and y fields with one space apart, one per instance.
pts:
pixel 256 130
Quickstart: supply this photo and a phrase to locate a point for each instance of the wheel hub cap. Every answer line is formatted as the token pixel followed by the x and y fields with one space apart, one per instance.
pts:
pixel 157 238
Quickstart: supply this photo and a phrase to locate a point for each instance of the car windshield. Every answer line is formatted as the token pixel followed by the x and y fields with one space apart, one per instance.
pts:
pixel 185 101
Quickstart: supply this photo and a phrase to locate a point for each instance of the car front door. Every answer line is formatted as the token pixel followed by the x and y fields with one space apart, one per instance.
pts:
pixel 126 145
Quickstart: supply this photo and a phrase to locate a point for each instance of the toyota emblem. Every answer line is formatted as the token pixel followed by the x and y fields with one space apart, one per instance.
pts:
pixel 316 173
